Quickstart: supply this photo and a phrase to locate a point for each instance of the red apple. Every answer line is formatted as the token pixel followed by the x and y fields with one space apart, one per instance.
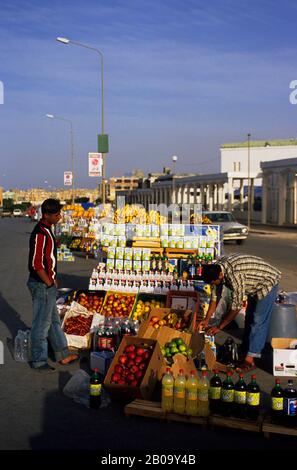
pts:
pixel 138 360
pixel 119 369
pixel 130 377
pixel 142 366
pixel 146 355
pixel 139 351
pixel 134 383
pixel 115 378
pixel 123 359
pixel 131 355
pixel 139 374
pixel 122 382
pixel 130 364
pixel 134 369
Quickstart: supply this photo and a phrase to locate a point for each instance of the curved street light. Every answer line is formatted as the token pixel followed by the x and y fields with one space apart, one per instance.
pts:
pixel 61 118
pixel 104 139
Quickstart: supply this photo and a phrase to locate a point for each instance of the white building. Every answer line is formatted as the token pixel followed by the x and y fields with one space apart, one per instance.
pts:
pixel 235 157
pixel 279 192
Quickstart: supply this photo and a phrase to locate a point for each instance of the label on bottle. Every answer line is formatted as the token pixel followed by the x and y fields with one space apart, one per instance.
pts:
pixel 95 390
pixel 179 392
pixel 290 406
pixel 253 399
pixel 240 397
pixel 192 395
pixel 227 396
pixel 167 391
pixel 277 404
pixel 203 395
pixel 215 393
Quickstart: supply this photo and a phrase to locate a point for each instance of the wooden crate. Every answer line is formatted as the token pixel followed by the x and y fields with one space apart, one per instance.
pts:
pixel 236 423
pixel 269 428
pixel 152 409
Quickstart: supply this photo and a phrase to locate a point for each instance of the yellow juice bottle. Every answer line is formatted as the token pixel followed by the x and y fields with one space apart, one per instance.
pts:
pixel 167 390
pixel 203 395
pixel 179 393
pixel 192 394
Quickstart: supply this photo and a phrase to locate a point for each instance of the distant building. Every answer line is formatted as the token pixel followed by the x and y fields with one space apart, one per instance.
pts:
pixel 123 183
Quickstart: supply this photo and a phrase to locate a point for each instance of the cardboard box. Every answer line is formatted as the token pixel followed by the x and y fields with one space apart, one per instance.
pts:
pixel 180 362
pixel 187 300
pixel 149 380
pixel 101 360
pixel 148 331
pixel 284 358
pixel 211 361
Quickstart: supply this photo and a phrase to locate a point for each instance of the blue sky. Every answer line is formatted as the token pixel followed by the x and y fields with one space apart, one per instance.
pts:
pixel 181 78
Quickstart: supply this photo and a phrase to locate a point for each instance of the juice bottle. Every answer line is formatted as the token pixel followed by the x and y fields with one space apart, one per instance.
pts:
pixel 192 394
pixel 227 396
pixel 239 409
pixel 179 393
pixel 277 403
pixel 253 399
pixel 167 390
pixel 215 392
pixel 95 390
pixel 203 395
pixel 290 404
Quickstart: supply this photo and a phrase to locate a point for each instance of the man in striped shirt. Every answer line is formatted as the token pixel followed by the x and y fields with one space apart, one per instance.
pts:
pixel 248 277
pixel 42 284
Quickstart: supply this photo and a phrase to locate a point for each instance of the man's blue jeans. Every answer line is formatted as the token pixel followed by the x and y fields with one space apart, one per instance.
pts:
pixel 257 320
pixel 46 324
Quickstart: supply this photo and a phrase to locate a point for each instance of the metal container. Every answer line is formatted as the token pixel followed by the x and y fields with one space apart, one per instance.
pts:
pixel 283 322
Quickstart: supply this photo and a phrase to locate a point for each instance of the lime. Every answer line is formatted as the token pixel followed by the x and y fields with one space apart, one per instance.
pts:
pixel 174 350
pixel 182 348
pixel 167 352
pixel 179 341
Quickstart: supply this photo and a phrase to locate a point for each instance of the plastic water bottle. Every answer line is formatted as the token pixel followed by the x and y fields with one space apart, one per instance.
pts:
pixel 26 349
pixel 18 347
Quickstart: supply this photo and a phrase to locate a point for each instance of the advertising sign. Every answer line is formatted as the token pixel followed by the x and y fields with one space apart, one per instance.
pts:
pixel 95 164
pixel 67 178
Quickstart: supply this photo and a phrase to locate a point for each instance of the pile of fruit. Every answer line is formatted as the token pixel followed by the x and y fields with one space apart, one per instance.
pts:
pixel 175 346
pixel 137 215
pixel 132 365
pixel 143 309
pixel 78 211
pixel 92 302
pixel 178 321
pixel 78 325
pixel 199 219
pixel 118 305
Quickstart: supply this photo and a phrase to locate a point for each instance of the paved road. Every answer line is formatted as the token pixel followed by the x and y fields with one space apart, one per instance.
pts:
pixel 278 248
pixel 35 414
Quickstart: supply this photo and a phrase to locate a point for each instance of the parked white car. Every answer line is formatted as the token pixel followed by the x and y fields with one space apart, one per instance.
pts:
pixel 232 230
pixel 17 213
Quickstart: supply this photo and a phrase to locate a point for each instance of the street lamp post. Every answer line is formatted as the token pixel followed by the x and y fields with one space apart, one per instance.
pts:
pixel 249 181
pixel 52 116
pixel 174 160
pixel 103 139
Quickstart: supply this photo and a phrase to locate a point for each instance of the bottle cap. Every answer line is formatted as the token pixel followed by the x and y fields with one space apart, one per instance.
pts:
pixel 204 373
pixel 181 371
pixel 96 369
pixel 253 377
pixel 241 375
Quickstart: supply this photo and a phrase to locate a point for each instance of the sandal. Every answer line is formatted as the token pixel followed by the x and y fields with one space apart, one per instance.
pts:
pixel 69 359
pixel 246 366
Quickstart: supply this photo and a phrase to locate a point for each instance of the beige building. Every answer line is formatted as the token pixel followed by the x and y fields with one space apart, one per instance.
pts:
pixel 123 183
pixel 38 195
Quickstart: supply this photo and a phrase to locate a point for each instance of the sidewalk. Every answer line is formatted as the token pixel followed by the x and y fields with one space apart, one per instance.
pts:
pixel 274 230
